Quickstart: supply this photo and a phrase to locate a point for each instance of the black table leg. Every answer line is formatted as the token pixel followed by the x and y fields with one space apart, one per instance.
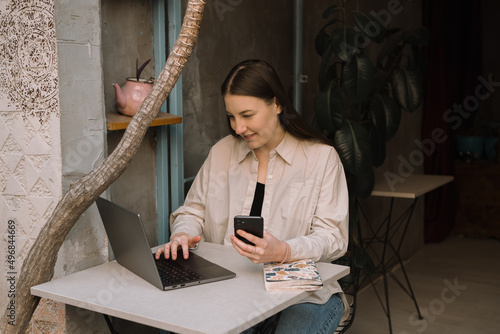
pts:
pixel 110 325
pixel 385 238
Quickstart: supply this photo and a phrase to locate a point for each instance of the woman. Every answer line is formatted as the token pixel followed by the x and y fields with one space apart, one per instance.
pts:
pixel 276 166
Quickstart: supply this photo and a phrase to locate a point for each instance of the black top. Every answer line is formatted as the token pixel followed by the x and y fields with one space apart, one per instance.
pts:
pixel 258 199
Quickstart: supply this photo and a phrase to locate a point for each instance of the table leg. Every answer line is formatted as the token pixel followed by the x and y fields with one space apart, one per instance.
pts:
pixel 110 325
pixel 384 265
pixel 397 253
pixel 391 227
pixel 409 292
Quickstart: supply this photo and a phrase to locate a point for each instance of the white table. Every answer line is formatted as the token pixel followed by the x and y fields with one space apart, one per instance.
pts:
pixel 228 306
pixel 412 187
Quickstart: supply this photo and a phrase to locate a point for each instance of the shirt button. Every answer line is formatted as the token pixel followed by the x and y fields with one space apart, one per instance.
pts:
pixel 270 177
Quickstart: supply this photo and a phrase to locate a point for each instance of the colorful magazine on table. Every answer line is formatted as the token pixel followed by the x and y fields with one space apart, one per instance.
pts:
pixel 295 275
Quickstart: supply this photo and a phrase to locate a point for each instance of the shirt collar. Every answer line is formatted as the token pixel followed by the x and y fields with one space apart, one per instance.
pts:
pixel 286 149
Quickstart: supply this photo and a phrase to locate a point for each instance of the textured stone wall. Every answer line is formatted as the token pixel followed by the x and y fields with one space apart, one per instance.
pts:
pixel 51 133
pixel 30 149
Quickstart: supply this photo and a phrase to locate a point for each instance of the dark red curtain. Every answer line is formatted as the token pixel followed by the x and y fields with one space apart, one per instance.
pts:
pixel 454 63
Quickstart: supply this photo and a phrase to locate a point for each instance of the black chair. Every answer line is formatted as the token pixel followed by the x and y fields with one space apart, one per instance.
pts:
pixel 349 285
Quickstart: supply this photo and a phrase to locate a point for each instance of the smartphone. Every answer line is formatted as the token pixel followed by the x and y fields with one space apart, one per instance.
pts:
pixel 250 224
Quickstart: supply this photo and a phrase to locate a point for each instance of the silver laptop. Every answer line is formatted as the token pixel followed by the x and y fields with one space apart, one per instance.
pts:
pixel 131 249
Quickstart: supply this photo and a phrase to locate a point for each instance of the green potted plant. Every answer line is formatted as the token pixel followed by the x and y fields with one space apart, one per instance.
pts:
pixel 360 101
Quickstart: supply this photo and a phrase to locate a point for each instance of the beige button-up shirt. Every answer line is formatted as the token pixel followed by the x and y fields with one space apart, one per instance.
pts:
pixel 305 201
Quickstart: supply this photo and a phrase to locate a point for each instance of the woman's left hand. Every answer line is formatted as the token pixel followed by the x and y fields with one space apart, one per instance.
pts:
pixel 266 249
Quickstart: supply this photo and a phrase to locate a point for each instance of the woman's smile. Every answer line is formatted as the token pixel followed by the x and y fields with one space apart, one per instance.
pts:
pixel 249 137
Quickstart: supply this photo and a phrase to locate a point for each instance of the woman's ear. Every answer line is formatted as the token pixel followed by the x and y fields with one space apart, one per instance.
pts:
pixel 278 105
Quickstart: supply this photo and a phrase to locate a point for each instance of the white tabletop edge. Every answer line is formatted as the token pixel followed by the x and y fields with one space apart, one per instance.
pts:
pixel 411 187
pixel 62 290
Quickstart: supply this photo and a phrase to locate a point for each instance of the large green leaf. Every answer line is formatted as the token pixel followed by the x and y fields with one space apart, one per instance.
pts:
pixel 322 112
pixel 377 114
pixel 329 107
pixel 383 108
pixel 326 68
pixel 344 42
pixel 357 78
pixel 377 146
pixel 407 88
pixel 389 47
pixel 369 26
pixel 392 117
pixel 379 81
pixel 332 10
pixel 322 39
pixel 393 59
pixel 353 145
pixel 337 106
pixel 392 31
pixel 362 185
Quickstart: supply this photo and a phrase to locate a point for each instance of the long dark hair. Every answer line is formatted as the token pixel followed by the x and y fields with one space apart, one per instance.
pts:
pixel 257 78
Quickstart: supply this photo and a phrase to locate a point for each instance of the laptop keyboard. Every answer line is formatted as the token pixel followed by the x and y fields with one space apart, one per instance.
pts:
pixel 173 273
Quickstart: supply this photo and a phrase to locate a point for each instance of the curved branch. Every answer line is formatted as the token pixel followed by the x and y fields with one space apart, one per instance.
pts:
pixel 38 267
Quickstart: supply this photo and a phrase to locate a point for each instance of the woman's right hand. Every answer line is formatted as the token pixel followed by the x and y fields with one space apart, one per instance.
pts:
pixel 180 240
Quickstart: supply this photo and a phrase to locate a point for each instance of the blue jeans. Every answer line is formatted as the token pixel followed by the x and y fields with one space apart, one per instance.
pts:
pixel 304 318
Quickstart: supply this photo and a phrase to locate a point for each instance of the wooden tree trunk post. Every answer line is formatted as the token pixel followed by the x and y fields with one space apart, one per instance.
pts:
pixel 38 267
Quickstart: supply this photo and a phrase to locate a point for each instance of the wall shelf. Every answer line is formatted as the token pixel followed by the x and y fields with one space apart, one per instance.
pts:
pixel 116 121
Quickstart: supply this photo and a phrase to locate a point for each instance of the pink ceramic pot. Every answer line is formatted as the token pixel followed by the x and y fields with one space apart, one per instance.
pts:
pixel 130 96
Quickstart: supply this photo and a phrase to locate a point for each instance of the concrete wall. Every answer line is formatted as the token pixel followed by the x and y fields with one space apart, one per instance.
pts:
pixel 78 33
pixel 127 35
pixel 232 31
pixel 82 122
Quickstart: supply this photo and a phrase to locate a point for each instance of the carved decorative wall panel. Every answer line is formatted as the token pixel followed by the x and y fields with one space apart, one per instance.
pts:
pixel 30 150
